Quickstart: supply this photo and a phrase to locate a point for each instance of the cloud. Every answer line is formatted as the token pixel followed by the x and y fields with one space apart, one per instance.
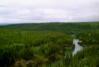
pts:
pixel 48 10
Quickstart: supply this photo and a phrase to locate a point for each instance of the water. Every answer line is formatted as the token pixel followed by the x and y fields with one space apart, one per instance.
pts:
pixel 77 46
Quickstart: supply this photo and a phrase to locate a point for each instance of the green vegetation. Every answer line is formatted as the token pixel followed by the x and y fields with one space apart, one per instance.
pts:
pixel 48 45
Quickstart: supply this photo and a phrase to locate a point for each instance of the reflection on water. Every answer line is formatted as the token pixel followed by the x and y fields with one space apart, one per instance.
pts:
pixel 77 47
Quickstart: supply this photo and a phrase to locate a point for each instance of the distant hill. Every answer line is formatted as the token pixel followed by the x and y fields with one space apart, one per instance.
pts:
pixel 63 27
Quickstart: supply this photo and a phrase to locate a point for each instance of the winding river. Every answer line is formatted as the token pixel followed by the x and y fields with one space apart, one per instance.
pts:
pixel 77 47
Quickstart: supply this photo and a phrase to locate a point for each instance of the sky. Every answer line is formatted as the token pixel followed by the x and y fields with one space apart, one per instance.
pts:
pixel 19 11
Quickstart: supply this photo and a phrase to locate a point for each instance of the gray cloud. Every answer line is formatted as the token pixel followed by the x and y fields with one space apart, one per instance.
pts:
pixel 48 10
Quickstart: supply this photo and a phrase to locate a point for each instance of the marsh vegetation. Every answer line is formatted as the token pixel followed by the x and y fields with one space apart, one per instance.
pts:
pixel 49 45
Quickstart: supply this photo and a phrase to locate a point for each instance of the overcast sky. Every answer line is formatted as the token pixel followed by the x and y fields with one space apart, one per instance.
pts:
pixel 16 11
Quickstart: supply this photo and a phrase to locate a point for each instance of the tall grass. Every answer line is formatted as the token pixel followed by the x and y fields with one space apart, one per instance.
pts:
pixel 40 47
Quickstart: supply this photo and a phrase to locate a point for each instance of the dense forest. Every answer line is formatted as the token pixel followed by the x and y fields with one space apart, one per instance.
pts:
pixel 49 45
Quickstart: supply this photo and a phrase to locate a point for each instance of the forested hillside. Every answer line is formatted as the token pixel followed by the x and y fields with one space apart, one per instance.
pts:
pixel 54 26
